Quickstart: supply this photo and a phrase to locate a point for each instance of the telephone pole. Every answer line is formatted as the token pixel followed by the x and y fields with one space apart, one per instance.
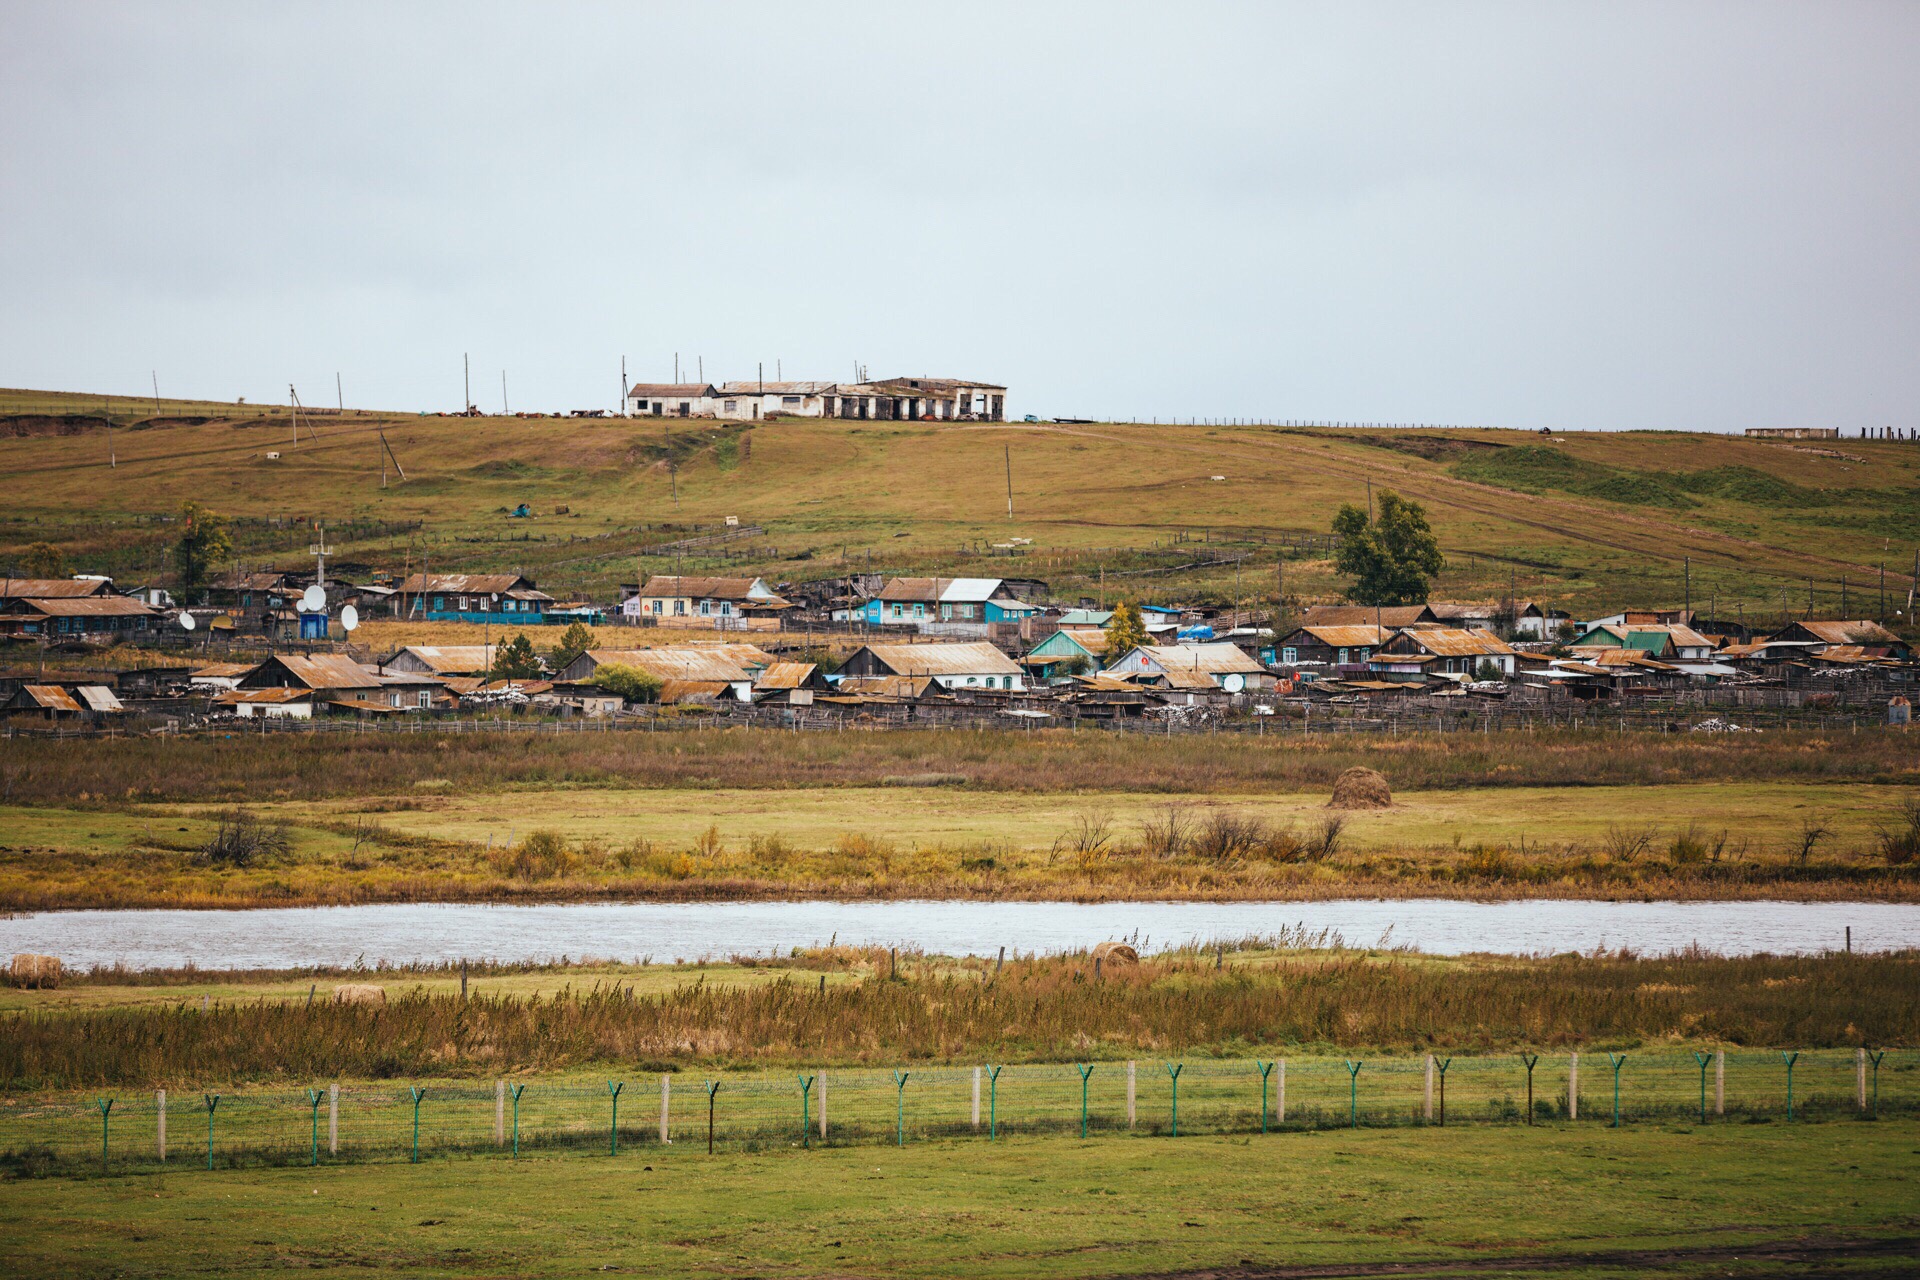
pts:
pixel 466 383
pixel 1009 449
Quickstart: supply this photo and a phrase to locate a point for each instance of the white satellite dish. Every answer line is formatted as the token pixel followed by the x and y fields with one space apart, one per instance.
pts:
pixel 1233 682
pixel 314 599
pixel 349 617
pixel 186 621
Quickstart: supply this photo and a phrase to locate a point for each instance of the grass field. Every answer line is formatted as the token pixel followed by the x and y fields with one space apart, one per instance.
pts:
pixel 1584 520
pixel 1836 1200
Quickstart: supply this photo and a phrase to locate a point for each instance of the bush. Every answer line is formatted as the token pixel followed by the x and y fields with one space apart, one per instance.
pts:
pixel 1224 834
pixel 1165 834
pixel 542 855
pixel 629 682
pixel 1900 841
pixel 241 838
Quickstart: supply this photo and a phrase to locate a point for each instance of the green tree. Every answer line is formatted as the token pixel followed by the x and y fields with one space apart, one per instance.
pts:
pixel 515 660
pixel 1489 671
pixel 43 560
pixel 632 683
pixel 1392 559
pixel 1126 630
pixel 574 641
pixel 204 542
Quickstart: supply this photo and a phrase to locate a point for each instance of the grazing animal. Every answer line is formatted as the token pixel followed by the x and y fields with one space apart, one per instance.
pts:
pixel 360 993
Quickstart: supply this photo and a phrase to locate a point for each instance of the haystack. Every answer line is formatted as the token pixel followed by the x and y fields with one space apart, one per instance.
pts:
pixel 1110 954
pixel 1360 788
pixel 30 970
pixel 359 993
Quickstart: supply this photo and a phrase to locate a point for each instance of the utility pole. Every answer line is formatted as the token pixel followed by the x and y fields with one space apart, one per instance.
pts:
pixel 1686 570
pixel 1369 499
pixel 676 367
pixel 339 396
pixel 1009 449
pixel 466 383
pixel 702 361
pixel 155 375
pixel 625 391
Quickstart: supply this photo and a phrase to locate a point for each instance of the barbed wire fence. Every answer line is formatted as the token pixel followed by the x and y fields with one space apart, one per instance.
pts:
pixel 635 1112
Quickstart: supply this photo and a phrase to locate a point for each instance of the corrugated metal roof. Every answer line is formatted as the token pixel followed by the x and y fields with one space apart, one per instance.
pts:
pixel 452 659
pixel 672 691
pixel 234 696
pixel 969 590
pixel 54 588
pixel 914 590
pixel 326 671
pixel 482 584
pixel 1862 632
pixel 1092 639
pixel 1344 615
pixel 671 586
pixel 886 686
pixel 968 659
pixel 755 388
pixel 1216 659
pixel 98 698
pixel 1350 637
pixel 785 675
pixel 50 697
pixel 679 390
pixel 221 671
pixel 1452 642
pixel 85 607
pixel 678 662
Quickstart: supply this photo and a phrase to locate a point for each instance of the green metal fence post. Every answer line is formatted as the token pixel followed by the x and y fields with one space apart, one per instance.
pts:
pixel 313 1105
pixel 1530 1059
pixel 806 1116
pixel 1617 1060
pixel 514 1091
pixel 1353 1091
pixel 1173 1073
pixel 1703 1059
pixel 1441 1064
pixel 1789 1059
pixel 1266 1073
pixel 900 1107
pixel 1874 1058
pixel 213 1102
pixel 712 1087
pixel 613 1135
pixel 418 1094
pixel 106 1108
pixel 993 1103
pixel 1085 1072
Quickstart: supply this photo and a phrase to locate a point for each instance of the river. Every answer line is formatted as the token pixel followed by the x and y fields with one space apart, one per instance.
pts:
pixel 404 933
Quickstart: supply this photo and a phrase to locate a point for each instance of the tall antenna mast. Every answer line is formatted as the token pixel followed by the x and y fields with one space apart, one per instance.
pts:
pixel 466 383
pixel 339 396
pixel 504 410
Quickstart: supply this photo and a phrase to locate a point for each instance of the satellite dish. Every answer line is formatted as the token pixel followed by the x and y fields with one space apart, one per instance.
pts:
pixel 186 620
pixel 349 617
pixel 314 599
pixel 1233 682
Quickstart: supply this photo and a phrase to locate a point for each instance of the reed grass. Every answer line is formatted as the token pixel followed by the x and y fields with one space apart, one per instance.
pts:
pixel 1200 1001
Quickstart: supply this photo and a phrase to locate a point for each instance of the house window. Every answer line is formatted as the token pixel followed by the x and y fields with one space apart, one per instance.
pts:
pixel 1289 656
pixel 789 399
pixel 426 699
pixel 463 604
pixel 733 406
pixel 897 611
pixel 971 679
pixel 439 604
pixel 679 608
pixel 919 611
pixel 686 408
pixel 706 607
pixel 1343 657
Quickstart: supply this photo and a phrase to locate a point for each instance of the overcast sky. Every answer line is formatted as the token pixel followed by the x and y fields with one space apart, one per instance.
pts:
pixel 1697 215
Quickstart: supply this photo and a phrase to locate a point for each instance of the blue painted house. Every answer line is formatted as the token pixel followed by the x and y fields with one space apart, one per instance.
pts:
pixel 945 604
pixel 508 598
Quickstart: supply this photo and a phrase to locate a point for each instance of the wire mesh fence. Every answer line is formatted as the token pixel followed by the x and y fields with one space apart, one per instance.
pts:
pixel 737 1111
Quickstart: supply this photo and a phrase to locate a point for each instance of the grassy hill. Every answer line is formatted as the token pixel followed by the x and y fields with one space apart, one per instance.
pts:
pixel 1584 519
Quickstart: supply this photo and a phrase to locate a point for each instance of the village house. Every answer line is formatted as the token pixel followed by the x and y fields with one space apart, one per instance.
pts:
pixel 1666 641
pixel 253 592
pixel 756 400
pixel 720 669
pixel 1418 652
pixel 1218 667
pixel 971 665
pixel 58 702
pixel 672 400
pixel 950 605
pixel 509 599
pixel 733 604
pixel 441 660
pixel 56 588
pixel 74 616
pixel 329 677
pixel 1348 645
pixel 790 683
pixel 288 703
pixel 1391 616
pixel 1870 638
pixel 1067 652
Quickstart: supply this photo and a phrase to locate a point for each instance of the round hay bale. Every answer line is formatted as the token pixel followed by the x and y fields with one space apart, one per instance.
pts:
pixel 35 971
pixel 1361 788
pixel 1110 954
pixel 359 993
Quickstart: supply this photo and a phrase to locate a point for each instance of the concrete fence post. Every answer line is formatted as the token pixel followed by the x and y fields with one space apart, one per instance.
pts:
pixel 1130 1115
pixel 1573 1086
pixel 1859 1086
pixel 1720 1082
pixel 1280 1091
pixel 821 1086
pixel 976 1099
pixel 499 1113
pixel 160 1114
pixel 1426 1100
pixel 666 1102
pixel 333 1119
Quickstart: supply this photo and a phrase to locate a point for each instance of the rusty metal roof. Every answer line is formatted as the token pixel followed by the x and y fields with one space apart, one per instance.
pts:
pixel 1343 615
pixel 85 607
pixel 1218 658
pixel 54 588
pixel 678 662
pixel 672 390
pixel 1861 632
pixel 289 694
pixel 756 388
pixel 1451 642
pixel 1350 637
pixel 785 675
pixel 482 584
pixel 914 590
pixel 50 697
pixel 452 659
pixel 966 659
pixel 325 671
pixel 886 686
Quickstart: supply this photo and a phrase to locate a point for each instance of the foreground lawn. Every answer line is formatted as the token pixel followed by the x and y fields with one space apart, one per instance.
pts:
pixel 1576 1202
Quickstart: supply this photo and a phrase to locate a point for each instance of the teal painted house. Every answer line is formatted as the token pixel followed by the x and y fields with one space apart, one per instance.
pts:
pixel 507 598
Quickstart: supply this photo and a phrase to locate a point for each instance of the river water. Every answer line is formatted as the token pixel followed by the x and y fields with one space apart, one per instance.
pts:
pixel 403 933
